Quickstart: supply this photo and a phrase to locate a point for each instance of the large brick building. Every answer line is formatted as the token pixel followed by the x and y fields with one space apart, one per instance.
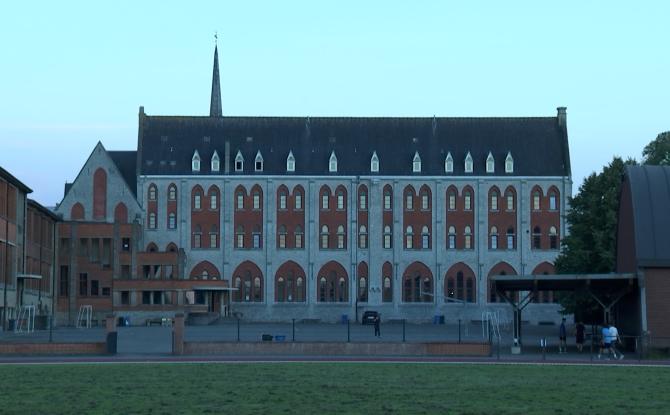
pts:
pixel 27 235
pixel 315 217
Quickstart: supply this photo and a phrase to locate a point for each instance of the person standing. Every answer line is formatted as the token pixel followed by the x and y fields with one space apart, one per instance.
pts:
pixel 606 347
pixel 562 337
pixel 579 335
pixel 377 326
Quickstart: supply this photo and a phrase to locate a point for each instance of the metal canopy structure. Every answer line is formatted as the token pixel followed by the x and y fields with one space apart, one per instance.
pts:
pixel 606 289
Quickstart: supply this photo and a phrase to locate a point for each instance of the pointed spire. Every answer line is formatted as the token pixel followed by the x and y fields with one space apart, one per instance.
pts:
pixel 215 104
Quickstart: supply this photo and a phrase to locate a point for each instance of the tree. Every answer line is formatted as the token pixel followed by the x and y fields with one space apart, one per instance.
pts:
pixel 658 151
pixel 590 248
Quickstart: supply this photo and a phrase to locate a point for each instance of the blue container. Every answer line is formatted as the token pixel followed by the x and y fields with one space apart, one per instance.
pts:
pixel 280 338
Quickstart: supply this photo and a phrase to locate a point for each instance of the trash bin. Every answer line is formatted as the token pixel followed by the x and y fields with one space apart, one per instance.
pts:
pixel 11 323
pixel 345 318
pixel 112 338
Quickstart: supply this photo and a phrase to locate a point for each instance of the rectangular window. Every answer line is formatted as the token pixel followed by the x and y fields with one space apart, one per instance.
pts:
pixel 257 241
pixel 340 202
pixel 298 240
pixel 552 202
pixel 282 201
pixel 94 288
pixel 363 241
pixel 494 202
pixel 409 241
pixel 196 202
pixel 95 250
pixel 125 297
pixel 146 297
pixel 425 241
pixel 424 202
pixel 510 241
pixel 106 291
pixel 494 241
pixel 363 201
pixel 83 284
pixel 125 271
pixel 169 271
pixel 64 276
pixel 468 242
pixel 240 240
pixel 452 241
pixel 452 202
pixel 387 202
pixel 146 271
pixel 257 201
pixel 65 247
pixel 158 297
pixel 340 241
pixel 282 240
pixel 324 241
pixel 125 244
pixel 387 241
pixel 408 202
pixel 83 247
pixel 298 201
pixel 468 202
pixel 197 240
pixel 212 240
pixel 213 204
pixel 324 202
pixel 240 201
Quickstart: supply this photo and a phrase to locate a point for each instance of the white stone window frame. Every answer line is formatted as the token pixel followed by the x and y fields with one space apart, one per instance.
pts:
pixel 468 163
pixel 449 163
pixel 374 163
pixel 195 162
pixel 258 162
pixel 216 162
pixel 239 162
pixel 509 163
pixel 290 162
pixel 332 162
pixel 416 163
pixel 490 163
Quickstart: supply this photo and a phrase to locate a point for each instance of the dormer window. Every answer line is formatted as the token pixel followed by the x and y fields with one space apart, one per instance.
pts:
pixel 374 163
pixel 449 164
pixel 258 162
pixel 332 163
pixel 239 162
pixel 195 161
pixel 416 163
pixel 216 163
pixel 490 163
pixel 468 163
pixel 290 162
pixel 509 163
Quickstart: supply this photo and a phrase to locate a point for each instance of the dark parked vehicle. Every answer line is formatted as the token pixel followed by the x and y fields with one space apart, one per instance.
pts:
pixel 369 317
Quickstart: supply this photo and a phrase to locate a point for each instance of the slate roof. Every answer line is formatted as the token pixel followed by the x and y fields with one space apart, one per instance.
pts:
pixel 538 145
pixel 650 192
pixel 126 162
pixel 14 181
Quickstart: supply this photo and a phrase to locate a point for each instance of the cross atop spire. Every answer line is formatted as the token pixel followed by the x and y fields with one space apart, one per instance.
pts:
pixel 215 109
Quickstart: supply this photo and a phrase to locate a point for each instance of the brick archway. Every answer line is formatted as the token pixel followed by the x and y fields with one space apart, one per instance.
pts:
pixel 417 284
pixel 248 279
pixel 290 283
pixel 332 285
pixel 501 268
pixel 204 270
pixel 460 283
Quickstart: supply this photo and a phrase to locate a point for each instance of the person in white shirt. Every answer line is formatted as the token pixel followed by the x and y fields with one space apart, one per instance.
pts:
pixel 613 339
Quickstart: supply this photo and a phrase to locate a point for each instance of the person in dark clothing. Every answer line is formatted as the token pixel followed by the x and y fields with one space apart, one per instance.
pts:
pixel 579 335
pixel 562 337
pixel 377 326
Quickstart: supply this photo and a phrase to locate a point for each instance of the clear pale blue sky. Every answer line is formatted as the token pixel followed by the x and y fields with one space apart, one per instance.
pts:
pixel 74 73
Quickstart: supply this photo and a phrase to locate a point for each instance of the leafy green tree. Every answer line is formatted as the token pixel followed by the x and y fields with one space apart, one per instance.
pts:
pixel 658 151
pixel 590 248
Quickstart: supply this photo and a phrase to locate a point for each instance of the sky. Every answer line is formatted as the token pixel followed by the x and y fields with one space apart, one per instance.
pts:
pixel 75 73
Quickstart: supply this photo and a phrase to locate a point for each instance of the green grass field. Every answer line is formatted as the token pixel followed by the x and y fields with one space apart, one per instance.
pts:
pixel 328 388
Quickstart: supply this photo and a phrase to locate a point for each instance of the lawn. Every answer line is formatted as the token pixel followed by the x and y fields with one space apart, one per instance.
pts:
pixel 328 388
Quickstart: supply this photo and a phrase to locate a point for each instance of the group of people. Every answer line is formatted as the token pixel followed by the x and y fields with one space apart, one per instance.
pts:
pixel 610 337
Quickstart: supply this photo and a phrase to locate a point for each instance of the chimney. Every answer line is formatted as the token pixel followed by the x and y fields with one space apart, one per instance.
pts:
pixel 561 117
